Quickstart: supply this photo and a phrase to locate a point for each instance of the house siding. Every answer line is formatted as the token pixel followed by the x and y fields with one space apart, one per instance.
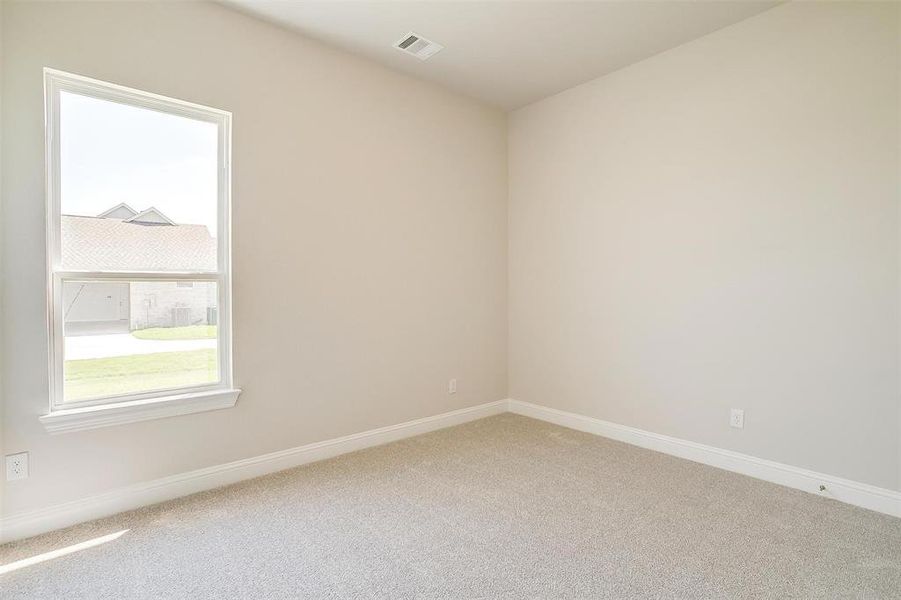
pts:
pixel 165 304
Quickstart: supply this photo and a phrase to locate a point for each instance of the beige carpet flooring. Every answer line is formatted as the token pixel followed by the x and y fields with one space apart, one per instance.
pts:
pixel 505 507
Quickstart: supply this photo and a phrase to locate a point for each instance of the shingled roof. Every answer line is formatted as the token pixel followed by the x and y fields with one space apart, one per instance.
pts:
pixel 114 244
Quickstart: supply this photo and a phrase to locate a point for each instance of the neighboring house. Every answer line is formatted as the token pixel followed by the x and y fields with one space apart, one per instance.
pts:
pixel 122 238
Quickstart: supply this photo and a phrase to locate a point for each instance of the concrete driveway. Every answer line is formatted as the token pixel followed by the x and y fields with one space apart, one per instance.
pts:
pixel 124 344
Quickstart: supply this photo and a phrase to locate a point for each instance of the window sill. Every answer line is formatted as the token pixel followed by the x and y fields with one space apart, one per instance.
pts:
pixel 92 417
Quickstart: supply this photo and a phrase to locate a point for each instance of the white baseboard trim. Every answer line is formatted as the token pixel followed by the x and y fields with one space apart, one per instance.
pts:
pixel 844 490
pixel 29 523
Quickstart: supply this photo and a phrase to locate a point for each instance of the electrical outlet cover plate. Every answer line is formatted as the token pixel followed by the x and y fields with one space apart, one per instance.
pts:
pixel 17 466
pixel 737 418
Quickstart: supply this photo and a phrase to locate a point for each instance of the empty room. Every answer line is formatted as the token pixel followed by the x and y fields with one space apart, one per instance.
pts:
pixel 450 299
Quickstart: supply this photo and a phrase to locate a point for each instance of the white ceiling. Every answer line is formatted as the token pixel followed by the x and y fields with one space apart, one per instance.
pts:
pixel 507 53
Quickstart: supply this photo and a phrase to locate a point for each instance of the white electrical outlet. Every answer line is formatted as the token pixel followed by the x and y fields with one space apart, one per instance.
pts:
pixel 17 466
pixel 452 386
pixel 737 418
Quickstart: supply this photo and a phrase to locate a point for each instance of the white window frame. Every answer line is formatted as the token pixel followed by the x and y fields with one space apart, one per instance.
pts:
pixel 111 410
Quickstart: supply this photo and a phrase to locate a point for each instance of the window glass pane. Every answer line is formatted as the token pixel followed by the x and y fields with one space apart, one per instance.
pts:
pixel 138 188
pixel 126 337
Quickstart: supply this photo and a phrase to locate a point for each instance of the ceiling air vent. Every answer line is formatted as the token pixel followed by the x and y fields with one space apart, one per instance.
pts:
pixel 418 46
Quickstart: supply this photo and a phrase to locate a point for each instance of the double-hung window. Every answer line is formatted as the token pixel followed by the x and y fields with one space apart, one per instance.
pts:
pixel 138 252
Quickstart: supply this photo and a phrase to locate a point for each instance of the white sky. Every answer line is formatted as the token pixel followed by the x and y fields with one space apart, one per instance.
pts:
pixel 112 153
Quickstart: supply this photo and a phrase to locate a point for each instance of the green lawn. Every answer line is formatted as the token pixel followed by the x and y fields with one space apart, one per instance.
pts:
pixel 93 377
pixel 191 332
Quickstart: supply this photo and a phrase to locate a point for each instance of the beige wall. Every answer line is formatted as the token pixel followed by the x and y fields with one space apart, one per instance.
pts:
pixel 369 239
pixel 717 227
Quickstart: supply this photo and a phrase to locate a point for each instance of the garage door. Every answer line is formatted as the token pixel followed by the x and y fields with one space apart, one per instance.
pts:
pixel 98 307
